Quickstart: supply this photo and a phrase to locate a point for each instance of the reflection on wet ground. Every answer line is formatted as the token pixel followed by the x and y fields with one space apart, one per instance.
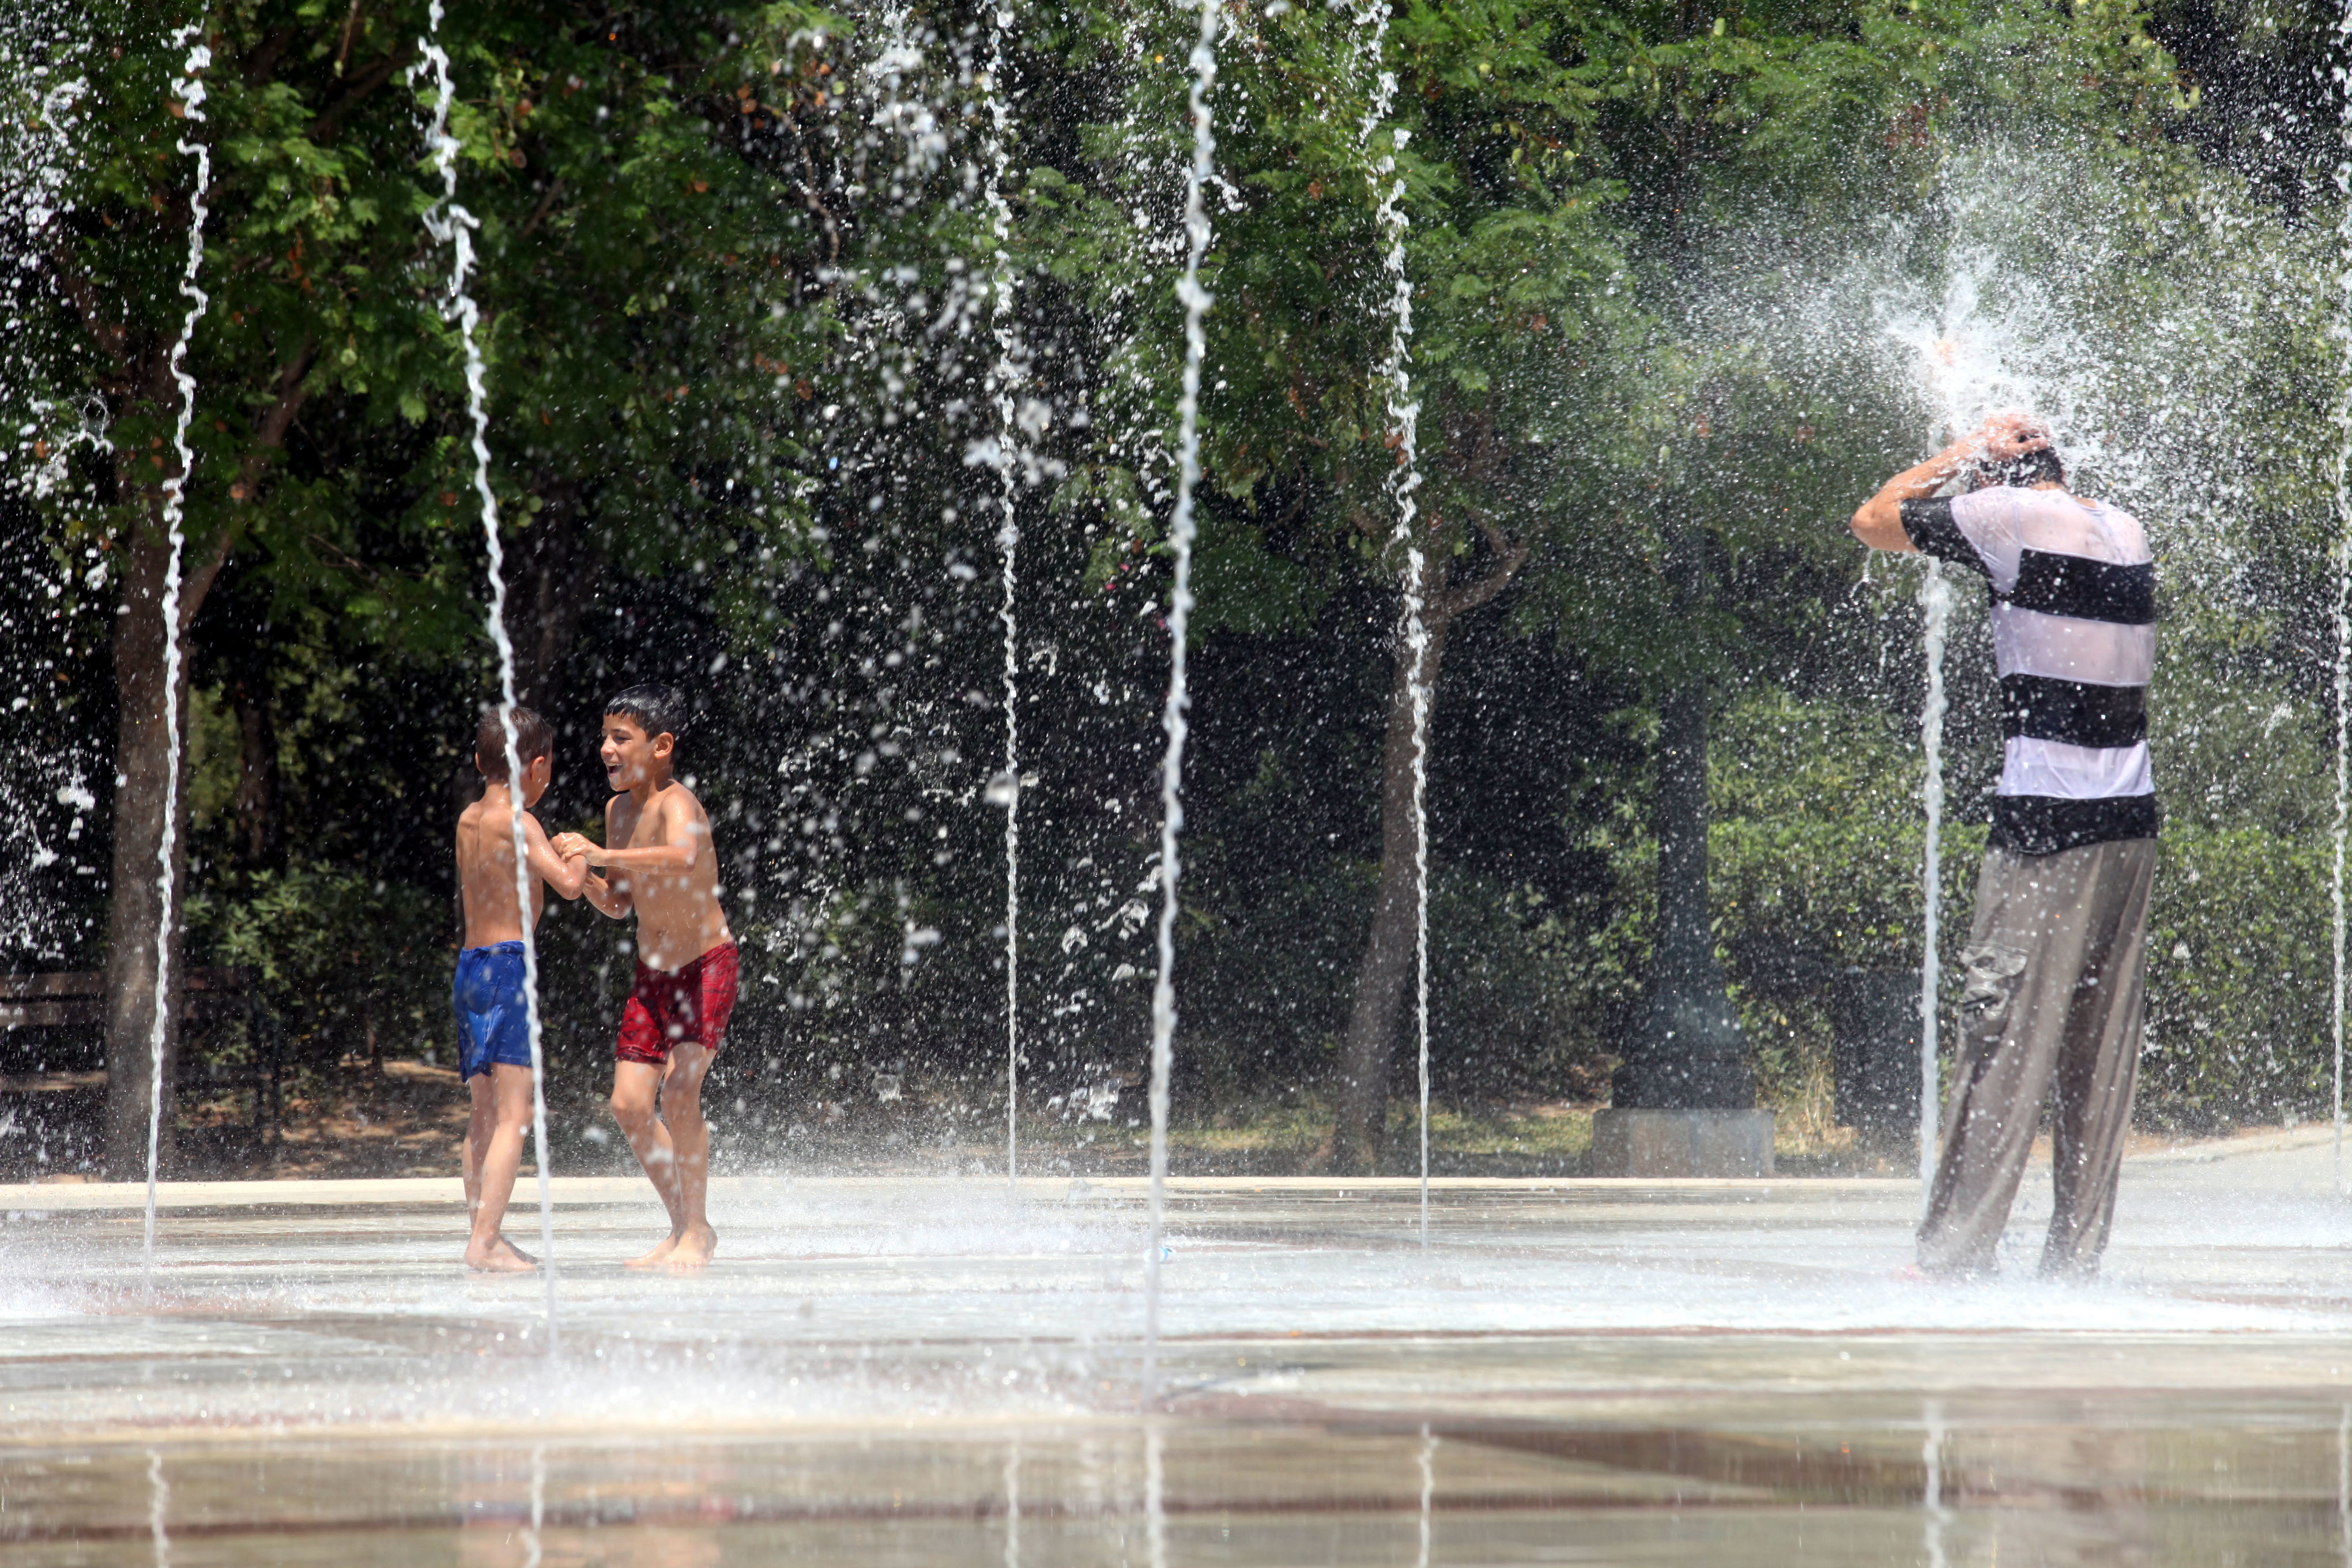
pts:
pixel 923 1371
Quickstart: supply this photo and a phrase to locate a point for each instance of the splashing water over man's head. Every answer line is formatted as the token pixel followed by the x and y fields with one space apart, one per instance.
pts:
pixel 2022 468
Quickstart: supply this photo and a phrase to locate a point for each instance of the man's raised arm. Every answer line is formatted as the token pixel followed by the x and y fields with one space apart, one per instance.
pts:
pixel 1878 521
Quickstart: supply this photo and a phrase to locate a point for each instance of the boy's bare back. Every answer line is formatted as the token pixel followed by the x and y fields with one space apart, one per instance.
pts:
pixel 485 871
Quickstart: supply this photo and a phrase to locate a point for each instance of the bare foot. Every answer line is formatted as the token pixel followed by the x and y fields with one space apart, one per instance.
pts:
pixel 512 1251
pixel 695 1247
pixel 500 1258
pixel 658 1257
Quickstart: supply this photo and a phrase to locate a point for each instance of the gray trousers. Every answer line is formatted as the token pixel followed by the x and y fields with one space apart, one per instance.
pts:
pixel 2055 960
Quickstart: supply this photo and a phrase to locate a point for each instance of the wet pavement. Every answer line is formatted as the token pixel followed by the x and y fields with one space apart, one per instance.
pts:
pixel 933 1370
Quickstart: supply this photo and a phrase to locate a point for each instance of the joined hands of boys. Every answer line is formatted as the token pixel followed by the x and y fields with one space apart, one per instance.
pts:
pixel 575 846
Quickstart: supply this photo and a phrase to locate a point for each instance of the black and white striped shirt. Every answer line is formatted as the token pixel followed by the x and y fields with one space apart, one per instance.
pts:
pixel 2073 627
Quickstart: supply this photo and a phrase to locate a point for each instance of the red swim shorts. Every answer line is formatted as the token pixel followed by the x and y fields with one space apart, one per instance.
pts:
pixel 668 1005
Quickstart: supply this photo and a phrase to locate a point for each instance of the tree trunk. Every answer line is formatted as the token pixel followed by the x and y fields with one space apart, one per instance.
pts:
pixel 555 576
pixel 143 762
pixel 135 913
pixel 1687 1054
pixel 1360 1132
pixel 257 785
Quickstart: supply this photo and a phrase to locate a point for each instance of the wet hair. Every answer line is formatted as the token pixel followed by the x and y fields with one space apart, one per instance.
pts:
pixel 2023 472
pixel 534 739
pixel 658 710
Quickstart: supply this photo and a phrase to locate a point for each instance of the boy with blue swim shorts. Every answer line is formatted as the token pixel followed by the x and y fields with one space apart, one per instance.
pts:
pixel 493 1012
pixel 493 1019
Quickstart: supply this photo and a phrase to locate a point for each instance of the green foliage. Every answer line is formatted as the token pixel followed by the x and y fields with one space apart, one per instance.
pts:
pixel 739 298
pixel 343 960
pixel 2239 980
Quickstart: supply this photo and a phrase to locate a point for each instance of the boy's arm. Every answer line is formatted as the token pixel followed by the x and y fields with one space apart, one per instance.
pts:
pixel 611 899
pixel 609 895
pixel 686 834
pixel 564 874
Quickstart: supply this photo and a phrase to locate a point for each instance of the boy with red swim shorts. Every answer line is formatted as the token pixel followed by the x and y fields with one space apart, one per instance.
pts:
pixel 659 864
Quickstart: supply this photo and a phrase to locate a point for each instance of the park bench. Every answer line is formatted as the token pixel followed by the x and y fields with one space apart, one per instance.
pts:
pixel 76 999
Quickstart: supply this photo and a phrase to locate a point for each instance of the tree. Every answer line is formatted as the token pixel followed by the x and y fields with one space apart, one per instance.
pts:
pixel 327 385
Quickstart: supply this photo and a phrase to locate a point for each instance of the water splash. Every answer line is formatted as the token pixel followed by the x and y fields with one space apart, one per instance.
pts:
pixel 451 224
pixel 47 607
pixel 190 90
pixel 1005 379
pixel 1403 480
pixel 1180 608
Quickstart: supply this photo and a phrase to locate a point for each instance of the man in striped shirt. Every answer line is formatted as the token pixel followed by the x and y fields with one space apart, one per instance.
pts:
pixel 2055 954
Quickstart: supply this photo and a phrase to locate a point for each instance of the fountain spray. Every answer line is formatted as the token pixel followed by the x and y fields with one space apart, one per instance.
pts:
pixel 2343 588
pixel 1935 614
pixel 1004 377
pixel 190 89
pixel 1402 481
pixel 451 224
pixel 1936 603
pixel 1180 608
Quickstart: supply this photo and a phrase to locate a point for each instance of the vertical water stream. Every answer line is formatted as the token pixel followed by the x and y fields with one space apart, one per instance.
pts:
pixel 159 1509
pixel 1013 1506
pixel 1155 1467
pixel 190 89
pixel 2344 1485
pixel 1935 604
pixel 531 1549
pixel 2343 779
pixel 1403 480
pixel 2343 585
pixel 1003 378
pixel 451 224
pixel 1180 609
pixel 1428 1497
pixel 1932 1512
pixel 1941 357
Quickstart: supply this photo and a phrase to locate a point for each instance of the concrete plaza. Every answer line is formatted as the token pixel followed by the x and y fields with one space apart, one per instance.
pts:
pixel 938 1370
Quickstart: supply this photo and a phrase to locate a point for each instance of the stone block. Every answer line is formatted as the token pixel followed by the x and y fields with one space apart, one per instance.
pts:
pixel 1682 1143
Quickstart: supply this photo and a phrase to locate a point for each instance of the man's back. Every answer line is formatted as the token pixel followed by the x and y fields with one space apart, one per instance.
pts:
pixel 2073 624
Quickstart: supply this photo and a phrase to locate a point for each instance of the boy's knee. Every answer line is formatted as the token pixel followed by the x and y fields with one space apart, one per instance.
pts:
pixel 630 1110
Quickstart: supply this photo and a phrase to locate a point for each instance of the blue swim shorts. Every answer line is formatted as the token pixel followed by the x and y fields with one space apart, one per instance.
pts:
pixel 493 1019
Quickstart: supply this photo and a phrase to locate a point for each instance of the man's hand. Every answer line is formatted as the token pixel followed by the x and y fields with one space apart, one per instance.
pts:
pixel 2004 437
pixel 2008 436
